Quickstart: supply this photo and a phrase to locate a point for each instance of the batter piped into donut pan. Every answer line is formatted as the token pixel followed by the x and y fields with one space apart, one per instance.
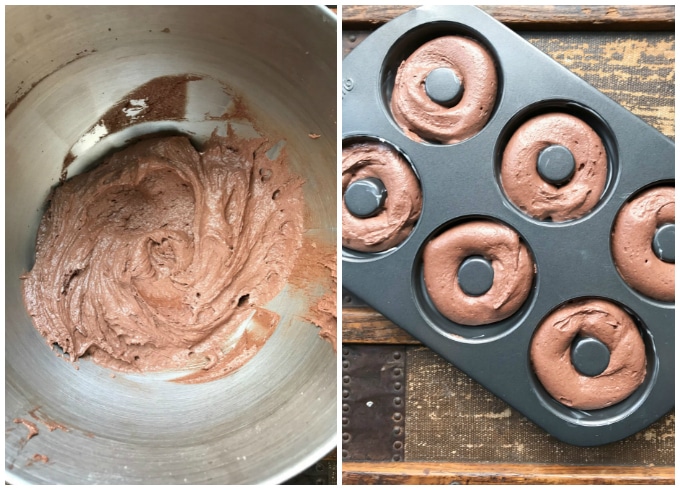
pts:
pixel 511 263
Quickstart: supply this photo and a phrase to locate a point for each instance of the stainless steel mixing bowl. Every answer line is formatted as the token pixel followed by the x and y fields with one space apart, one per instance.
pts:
pixel 65 67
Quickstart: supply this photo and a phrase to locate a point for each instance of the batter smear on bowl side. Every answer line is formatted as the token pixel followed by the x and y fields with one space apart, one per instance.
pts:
pixel 161 257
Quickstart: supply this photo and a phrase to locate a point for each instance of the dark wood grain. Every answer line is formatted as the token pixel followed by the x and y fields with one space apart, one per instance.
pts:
pixel 535 17
pixel 420 473
pixel 367 326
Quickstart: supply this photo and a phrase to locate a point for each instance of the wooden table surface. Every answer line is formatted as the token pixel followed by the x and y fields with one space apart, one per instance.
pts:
pixel 628 53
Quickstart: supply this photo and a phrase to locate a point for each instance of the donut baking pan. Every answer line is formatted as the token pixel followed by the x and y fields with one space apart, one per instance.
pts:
pixel 514 219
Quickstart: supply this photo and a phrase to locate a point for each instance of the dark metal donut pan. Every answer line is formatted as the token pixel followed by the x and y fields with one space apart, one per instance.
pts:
pixel 461 182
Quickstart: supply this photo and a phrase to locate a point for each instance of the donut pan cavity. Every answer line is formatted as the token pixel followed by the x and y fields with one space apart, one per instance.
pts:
pixel 461 182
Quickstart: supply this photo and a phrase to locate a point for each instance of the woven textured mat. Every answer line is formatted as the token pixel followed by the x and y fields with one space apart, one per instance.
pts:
pixel 450 417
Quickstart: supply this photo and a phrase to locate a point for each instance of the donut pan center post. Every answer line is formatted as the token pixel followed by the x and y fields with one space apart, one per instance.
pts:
pixel 589 356
pixel 475 275
pixel 443 86
pixel 664 242
pixel 556 165
pixel 366 197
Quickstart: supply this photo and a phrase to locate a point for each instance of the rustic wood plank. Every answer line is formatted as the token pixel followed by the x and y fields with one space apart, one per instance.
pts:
pixel 367 326
pixel 537 17
pixel 419 473
pixel 354 16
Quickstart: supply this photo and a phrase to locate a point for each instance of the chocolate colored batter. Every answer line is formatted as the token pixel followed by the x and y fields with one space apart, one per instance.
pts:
pixel 538 198
pixel 632 239
pixel 512 264
pixel 162 257
pixel 317 267
pixel 402 207
pixel 420 117
pixel 551 347
pixel 32 428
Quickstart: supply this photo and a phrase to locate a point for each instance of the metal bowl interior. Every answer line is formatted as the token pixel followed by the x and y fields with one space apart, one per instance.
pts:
pixel 277 414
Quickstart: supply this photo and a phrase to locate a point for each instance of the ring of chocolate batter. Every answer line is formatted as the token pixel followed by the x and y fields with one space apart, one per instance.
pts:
pixel 510 259
pixel 525 187
pixel 395 220
pixel 551 347
pixel 419 116
pixel 632 238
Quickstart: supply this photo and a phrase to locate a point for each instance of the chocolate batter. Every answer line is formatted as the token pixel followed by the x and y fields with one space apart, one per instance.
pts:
pixel 512 265
pixel 316 268
pixel 632 239
pixel 32 428
pixel 551 347
pixel 419 116
pixel 402 207
pixel 324 314
pixel 40 458
pixel 162 257
pixel 538 198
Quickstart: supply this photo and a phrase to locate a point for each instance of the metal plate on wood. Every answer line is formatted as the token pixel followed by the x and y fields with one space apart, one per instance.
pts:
pixel 373 402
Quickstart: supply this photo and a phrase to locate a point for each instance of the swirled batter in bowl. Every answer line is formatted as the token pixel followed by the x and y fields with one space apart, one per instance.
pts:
pixel 162 256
